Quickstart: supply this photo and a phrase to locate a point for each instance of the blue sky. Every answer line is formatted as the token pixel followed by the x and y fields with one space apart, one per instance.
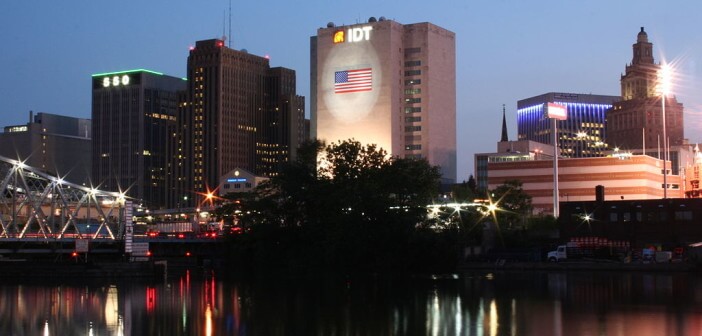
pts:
pixel 506 50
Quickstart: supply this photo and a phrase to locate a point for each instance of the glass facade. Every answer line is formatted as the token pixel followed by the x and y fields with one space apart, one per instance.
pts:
pixel 581 135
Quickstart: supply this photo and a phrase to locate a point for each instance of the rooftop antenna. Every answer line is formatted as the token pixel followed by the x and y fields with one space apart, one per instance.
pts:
pixel 230 24
pixel 224 26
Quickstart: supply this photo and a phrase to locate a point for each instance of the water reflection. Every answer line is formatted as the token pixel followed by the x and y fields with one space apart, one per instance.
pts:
pixel 480 304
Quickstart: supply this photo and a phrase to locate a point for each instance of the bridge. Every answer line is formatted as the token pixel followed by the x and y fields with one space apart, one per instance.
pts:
pixel 36 205
pixel 44 217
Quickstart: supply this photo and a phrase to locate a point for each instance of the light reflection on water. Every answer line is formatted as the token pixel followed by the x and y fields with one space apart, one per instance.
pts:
pixel 476 304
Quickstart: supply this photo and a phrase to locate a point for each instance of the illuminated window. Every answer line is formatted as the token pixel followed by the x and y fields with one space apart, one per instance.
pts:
pixel 413 91
pixel 413 119
pixel 413 100
pixel 413 147
pixel 413 82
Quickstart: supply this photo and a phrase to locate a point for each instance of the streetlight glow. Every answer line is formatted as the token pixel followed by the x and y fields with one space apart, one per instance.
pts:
pixel 664 79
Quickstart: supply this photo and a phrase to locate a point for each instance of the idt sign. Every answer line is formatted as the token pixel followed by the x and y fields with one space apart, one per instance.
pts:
pixel 353 35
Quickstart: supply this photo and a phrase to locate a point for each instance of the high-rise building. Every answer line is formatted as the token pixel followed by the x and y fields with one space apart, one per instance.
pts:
pixel 59 145
pixel 132 114
pixel 387 84
pixel 238 112
pixel 637 121
pixel 582 134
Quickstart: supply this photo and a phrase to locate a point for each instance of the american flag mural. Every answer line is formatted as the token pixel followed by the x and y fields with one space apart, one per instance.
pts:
pixel 357 80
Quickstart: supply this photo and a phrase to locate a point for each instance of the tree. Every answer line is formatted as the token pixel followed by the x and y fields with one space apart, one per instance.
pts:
pixel 463 192
pixel 472 184
pixel 356 209
pixel 514 203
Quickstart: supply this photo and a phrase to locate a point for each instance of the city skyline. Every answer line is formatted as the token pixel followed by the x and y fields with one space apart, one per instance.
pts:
pixel 504 51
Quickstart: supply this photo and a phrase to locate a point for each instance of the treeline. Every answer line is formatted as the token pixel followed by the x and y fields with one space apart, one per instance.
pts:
pixel 343 208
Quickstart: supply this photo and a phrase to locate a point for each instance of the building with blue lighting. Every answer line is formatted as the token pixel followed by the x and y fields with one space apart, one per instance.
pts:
pixel 583 134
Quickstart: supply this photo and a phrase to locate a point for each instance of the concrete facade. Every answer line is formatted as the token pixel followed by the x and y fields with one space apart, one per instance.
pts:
pixel 624 177
pixel 409 106
pixel 637 121
pixel 238 181
pixel 58 145
pixel 509 151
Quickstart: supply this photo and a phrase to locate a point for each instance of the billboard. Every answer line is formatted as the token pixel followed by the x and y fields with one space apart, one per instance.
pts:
pixel 556 111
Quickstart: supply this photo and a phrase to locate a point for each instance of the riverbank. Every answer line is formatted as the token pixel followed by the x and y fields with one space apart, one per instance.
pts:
pixel 582 266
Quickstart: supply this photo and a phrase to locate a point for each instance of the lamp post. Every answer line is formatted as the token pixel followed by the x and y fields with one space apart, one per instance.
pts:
pixel 555 112
pixel 664 88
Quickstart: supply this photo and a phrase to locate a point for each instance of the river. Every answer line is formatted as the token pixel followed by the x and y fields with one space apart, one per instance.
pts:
pixel 199 302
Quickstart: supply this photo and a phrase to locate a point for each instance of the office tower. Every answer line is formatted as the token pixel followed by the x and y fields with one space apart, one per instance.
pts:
pixel 56 144
pixel 637 121
pixel 388 84
pixel 131 114
pixel 581 135
pixel 238 113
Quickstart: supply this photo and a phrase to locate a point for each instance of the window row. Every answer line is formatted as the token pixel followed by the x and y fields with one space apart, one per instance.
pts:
pixel 236 185
pixel 653 216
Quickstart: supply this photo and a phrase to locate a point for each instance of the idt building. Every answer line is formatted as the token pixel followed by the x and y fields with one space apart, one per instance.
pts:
pixel 388 84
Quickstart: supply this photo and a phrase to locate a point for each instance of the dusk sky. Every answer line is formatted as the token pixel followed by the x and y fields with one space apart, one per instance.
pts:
pixel 505 50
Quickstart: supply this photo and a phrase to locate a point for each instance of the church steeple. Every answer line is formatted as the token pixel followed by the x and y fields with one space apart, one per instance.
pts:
pixel 504 125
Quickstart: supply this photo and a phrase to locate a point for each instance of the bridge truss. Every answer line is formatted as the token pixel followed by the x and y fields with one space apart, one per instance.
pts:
pixel 36 205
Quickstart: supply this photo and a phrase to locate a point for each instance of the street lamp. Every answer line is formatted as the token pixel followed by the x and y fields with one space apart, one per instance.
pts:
pixel 664 89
